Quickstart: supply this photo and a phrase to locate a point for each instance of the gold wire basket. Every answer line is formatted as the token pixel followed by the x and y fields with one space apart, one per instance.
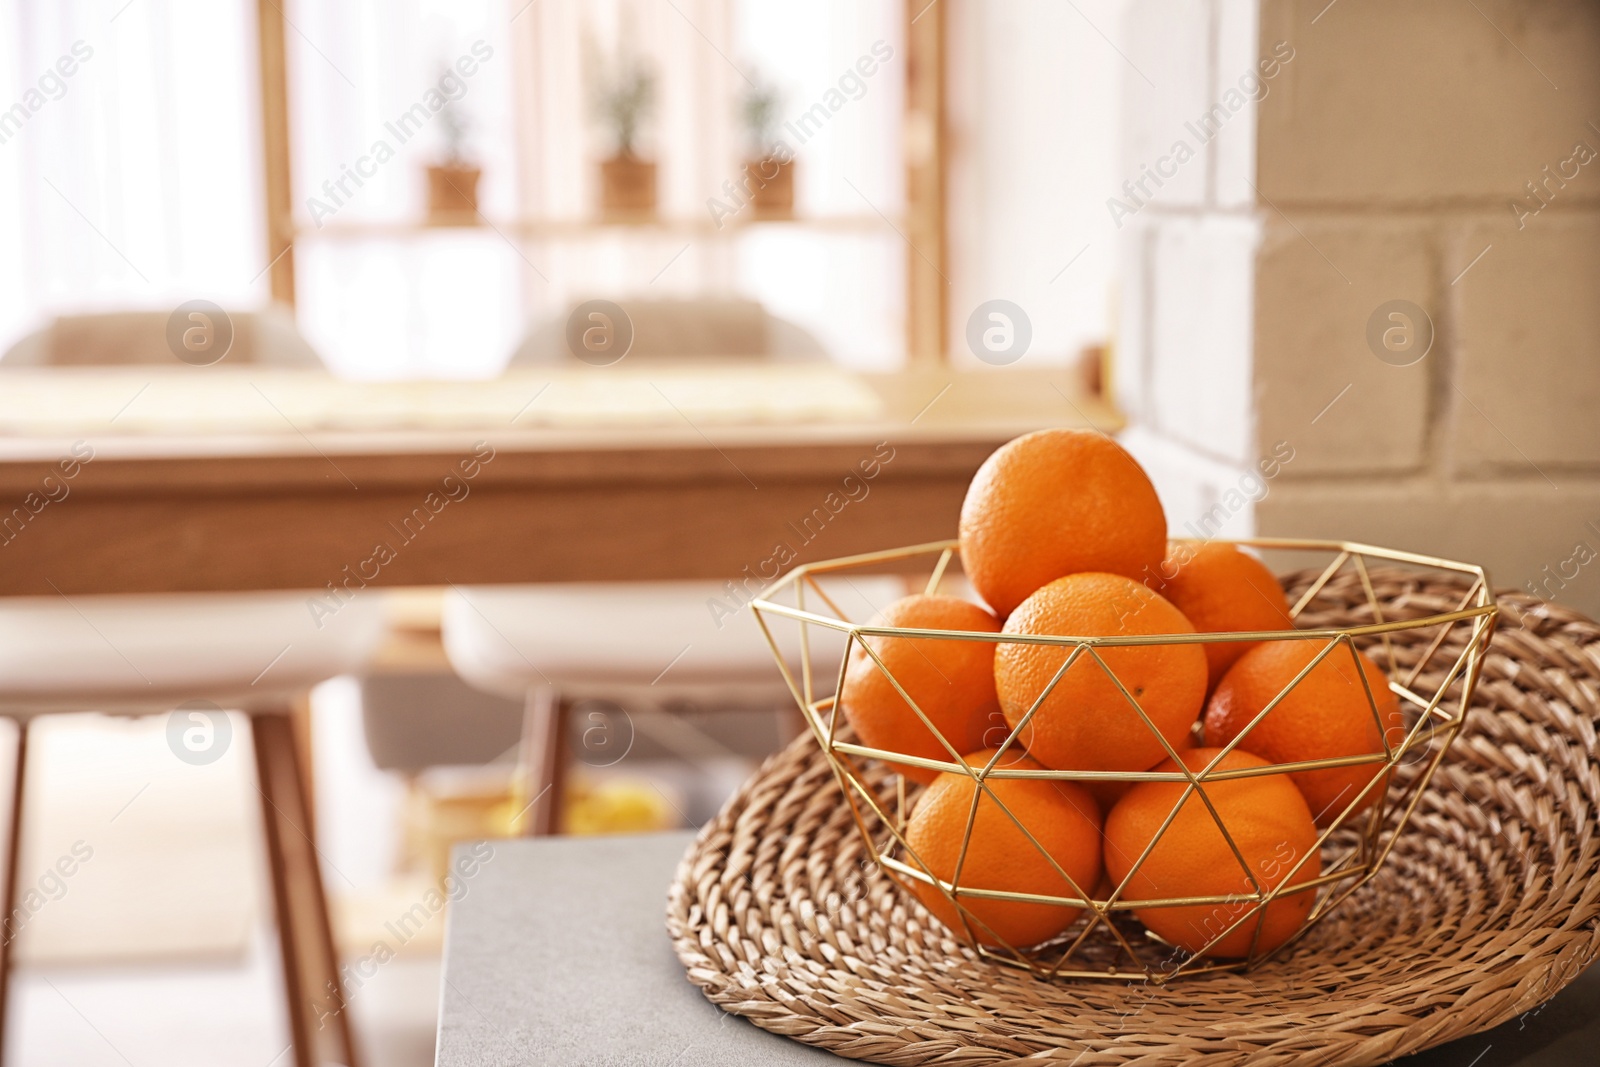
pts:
pixel 1434 692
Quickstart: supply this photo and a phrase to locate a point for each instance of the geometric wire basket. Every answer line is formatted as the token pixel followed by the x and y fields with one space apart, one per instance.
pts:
pixel 1432 661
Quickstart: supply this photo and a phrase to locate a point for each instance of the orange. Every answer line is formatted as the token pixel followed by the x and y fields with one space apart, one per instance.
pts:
pixel 952 681
pixel 1268 821
pixel 1327 714
pixel 1107 793
pixel 1057 502
pixel 1061 816
pixel 1221 589
pixel 1086 723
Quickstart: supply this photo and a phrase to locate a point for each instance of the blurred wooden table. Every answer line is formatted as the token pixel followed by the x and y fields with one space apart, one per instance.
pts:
pixel 281 506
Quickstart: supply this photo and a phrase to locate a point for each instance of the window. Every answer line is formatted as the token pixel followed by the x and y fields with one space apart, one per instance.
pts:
pixel 385 294
pixel 137 180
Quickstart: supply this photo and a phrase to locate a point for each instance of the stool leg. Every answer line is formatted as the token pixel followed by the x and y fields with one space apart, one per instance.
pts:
pixel 8 931
pixel 543 760
pixel 319 1020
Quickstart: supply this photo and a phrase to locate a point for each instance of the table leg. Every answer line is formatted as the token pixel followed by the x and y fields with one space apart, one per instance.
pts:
pixel 13 876
pixel 319 1019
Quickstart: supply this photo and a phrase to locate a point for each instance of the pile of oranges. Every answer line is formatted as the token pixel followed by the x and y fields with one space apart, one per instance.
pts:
pixel 1063 534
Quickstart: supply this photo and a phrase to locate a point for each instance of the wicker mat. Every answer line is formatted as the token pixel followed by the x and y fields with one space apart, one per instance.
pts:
pixel 1486 907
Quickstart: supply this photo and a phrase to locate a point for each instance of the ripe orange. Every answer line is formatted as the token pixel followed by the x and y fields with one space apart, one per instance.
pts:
pixel 1327 714
pixel 1086 723
pixel 1057 502
pixel 952 681
pixel 1061 816
pixel 1268 821
pixel 1221 589
pixel 1107 793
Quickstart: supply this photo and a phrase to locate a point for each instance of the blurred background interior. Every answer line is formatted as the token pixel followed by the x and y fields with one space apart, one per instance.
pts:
pixel 1195 210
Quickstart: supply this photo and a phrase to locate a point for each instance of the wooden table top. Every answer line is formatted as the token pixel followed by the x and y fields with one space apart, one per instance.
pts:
pixel 170 414
pixel 559 491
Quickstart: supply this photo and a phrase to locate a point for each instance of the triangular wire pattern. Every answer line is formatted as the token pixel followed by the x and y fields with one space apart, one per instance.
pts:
pixel 1433 661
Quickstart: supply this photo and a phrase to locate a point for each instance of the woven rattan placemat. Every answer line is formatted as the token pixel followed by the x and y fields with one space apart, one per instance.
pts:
pixel 1487 906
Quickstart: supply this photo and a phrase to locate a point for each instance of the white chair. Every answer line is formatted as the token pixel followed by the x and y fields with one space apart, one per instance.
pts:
pixel 653 644
pixel 141 654
pixel 256 653
pixel 656 645
pixel 402 726
pixel 139 338
pixel 706 328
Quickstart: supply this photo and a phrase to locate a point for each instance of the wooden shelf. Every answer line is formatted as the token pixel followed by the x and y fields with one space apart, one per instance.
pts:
pixel 401 229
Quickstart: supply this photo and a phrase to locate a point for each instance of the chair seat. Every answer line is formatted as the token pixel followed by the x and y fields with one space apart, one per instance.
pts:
pixel 132 654
pixel 664 640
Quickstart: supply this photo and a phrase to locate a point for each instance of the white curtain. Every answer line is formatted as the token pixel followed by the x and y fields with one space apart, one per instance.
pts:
pixel 129 158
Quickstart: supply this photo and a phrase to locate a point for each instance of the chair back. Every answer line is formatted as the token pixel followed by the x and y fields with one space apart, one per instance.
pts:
pixel 681 330
pixel 654 641
pixel 140 338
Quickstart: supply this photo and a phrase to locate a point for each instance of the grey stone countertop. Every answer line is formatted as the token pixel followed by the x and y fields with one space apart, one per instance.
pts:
pixel 556 954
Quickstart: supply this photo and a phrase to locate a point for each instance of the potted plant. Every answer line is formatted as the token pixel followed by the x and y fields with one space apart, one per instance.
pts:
pixel 453 182
pixel 769 165
pixel 624 102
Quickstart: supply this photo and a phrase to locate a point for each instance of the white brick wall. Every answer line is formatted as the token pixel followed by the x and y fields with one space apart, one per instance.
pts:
pixel 1168 84
pixel 1200 374
pixel 1388 153
pixel 1240 49
pixel 1317 383
pixel 1202 497
pixel 1425 102
pixel 1515 528
pixel 1130 378
pixel 1527 374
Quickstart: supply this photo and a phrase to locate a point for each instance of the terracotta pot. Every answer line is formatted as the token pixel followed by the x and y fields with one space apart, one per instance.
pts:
pixel 453 195
pixel 627 187
pixel 771 185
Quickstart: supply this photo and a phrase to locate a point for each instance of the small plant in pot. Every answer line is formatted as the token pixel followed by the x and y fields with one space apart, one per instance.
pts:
pixel 453 182
pixel 769 163
pixel 623 103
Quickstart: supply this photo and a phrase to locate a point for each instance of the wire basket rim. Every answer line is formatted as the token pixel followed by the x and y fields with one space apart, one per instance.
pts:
pixel 1482 590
